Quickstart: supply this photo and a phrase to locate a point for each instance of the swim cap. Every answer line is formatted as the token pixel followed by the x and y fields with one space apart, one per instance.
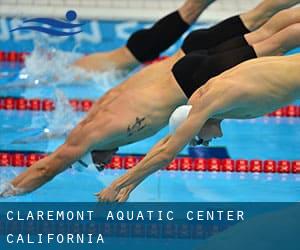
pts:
pixel 178 117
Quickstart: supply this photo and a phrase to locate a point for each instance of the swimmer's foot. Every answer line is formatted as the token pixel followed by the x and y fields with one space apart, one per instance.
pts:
pixel 108 194
pixel 111 194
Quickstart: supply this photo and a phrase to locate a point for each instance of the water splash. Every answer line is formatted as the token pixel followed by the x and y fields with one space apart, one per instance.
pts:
pixel 8 190
pixel 58 122
pixel 48 66
pixel 63 119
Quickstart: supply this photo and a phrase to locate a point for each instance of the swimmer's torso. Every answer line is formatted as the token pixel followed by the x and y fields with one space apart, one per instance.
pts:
pixel 143 103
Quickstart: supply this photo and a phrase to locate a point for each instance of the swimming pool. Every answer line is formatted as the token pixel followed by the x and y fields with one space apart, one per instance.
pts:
pixel 266 138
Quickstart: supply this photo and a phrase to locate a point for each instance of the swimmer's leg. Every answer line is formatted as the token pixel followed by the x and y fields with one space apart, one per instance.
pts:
pixel 256 17
pixel 279 43
pixel 151 41
pixel 280 21
pixel 277 22
pixel 229 34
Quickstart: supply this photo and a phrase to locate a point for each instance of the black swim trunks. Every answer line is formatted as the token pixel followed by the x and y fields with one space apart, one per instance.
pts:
pixel 195 69
pixel 205 39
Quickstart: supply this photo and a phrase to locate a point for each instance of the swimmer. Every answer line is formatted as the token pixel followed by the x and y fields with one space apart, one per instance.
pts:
pixel 138 108
pixel 278 22
pixel 276 83
pixel 147 44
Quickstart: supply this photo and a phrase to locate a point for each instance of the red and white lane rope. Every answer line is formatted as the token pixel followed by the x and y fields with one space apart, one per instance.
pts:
pixel 36 104
pixel 19 57
pixel 21 159
pixel 13 56
pixel 13 103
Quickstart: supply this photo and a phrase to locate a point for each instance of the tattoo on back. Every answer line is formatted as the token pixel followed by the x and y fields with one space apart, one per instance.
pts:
pixel 137 126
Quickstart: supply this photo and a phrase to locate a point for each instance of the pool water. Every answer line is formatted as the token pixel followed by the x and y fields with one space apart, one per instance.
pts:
pixel 263 138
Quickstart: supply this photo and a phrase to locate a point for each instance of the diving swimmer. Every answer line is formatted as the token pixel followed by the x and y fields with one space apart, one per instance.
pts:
pixel 276 83
pixel 136 109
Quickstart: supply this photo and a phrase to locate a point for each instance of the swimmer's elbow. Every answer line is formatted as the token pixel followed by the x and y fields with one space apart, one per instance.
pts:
pixel 49 171
pixel 46 173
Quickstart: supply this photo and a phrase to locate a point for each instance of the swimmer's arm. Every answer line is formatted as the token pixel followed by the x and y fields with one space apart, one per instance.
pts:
pixel 160 156
pixel 46 169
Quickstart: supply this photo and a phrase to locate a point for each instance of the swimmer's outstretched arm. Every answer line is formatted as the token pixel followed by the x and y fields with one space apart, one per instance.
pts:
pixel 81 139
pixel 164 152
pixel 159 157
pixel 43 171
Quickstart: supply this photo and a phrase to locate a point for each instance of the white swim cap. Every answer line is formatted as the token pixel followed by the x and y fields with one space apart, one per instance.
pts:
pixel 178 117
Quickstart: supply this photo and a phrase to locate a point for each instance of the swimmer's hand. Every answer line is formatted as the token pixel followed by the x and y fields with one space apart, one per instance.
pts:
pixel 109 194
pixel 124 194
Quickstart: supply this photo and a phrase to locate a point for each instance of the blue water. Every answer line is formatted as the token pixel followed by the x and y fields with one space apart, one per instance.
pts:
pixel 264 138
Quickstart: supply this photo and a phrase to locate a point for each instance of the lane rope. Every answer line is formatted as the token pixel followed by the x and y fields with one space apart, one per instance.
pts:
pixel 13 56
pixel 84 105
pixel 19 57
pixel 26 159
